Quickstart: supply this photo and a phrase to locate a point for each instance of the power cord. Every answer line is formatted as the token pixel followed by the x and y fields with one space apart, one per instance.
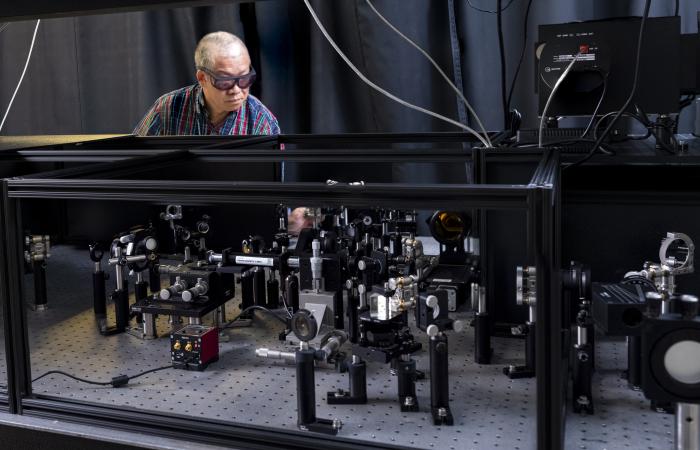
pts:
pixel 437 67
pixel 24 71
pixel 230 323
pixel 652 130
pixel 551 96
pixel 502 54
pixel 625 114
pixel 597 108
pixel 384 91
pixel 118 381
pixel 522 55
pixel 471 5
pixel 624 107
pixel 561 143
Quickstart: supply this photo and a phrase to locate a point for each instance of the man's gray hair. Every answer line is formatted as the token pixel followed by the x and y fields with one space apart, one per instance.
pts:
pixel 216 43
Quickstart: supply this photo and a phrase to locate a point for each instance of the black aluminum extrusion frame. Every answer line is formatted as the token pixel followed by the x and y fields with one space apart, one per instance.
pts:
pixel 539 200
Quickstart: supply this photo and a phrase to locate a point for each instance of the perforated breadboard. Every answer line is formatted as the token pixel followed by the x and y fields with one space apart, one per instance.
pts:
pixel 623 418
pixel 490 410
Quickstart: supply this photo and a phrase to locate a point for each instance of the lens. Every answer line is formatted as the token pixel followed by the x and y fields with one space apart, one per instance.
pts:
pixel 304 325
pixel 246 81
pixel 677 253
pixel 682 362
pixel 447 226
pixel 224 85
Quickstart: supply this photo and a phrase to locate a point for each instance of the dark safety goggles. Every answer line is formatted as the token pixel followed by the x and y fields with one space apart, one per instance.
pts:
pixel 226 83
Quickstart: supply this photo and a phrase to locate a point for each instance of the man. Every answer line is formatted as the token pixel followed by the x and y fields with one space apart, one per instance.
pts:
pixel 220 102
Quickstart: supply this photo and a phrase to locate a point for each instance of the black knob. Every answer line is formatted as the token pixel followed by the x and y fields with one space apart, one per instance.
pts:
pixel 689 306
pixel 96 252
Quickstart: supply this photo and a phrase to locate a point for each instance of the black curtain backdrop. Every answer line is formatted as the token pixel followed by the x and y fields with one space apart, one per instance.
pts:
pixel 99 74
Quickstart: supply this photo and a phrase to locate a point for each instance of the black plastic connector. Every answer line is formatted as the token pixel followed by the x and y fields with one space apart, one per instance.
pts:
pixel 119 381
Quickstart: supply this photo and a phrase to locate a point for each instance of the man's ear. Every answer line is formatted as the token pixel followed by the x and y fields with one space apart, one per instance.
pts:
pixel 200 76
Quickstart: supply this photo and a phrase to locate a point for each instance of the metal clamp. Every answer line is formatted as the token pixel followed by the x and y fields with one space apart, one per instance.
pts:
pixel 37 247
pixel 678 266
pixel 197 290
pixel 178 286
pixel 172 212
pixel 526 286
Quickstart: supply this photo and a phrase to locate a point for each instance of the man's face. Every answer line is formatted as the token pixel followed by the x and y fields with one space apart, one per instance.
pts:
pixel 231 64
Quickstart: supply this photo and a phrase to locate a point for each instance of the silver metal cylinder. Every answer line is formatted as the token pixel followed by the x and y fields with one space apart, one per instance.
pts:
pixel 687 426
pixel 119 270
pixel 532 314
pixel 129 259
pixel 98 266
pixel 165 269
pixel 668 282
pixel 581 336
pixel 188 253
pixel 666 304
pixel 275 354
pixel 221 314
pixel 177 287
pixel 474 295
pixel 362 291
pixel 139 277
pixel 148 323
pixel 333 345
pixel 316 264
pixel 482 300
pixel 214 258
pixel 195 320
pixel 197 290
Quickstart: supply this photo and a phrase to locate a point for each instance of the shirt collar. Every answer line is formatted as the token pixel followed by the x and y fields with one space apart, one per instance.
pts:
pixel 199 95
pixel 202 108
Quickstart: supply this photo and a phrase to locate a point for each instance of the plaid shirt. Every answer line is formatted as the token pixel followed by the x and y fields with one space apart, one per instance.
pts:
pixel 183 112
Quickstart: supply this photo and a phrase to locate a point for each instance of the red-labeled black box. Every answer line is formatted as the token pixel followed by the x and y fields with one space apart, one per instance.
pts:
pixel 194 347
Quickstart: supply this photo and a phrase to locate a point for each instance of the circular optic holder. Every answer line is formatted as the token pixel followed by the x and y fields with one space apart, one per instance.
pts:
pixel 675 364
pixel 304 325
pixel 678 252
pixel 449 227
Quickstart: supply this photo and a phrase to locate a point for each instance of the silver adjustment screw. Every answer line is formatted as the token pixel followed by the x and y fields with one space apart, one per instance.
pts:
pixel 431 301
pixel 432 330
